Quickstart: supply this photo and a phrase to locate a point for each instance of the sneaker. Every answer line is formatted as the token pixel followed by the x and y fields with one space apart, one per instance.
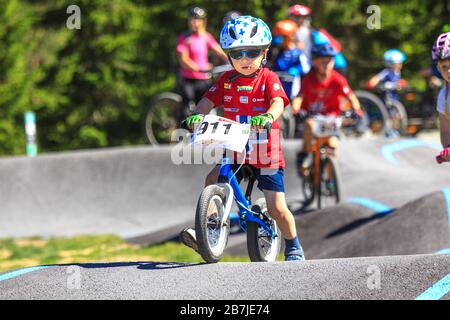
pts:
pixel 294 255
pixel 187 237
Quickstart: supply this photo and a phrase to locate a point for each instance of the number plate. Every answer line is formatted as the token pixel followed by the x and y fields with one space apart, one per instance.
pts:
pixel 326 126
pixel 222 132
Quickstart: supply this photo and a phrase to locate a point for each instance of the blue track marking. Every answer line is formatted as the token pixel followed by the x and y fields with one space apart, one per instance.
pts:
pixel 378 207
pixel 446 192
pixel 442 287
pixel 388 150
pixel 17 273
pixel 437 291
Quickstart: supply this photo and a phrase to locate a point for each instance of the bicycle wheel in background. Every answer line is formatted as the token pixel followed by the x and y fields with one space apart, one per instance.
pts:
pixel 307 177
pixel 212 234
pixel 399 117
pixel 330 186
pixel 163 117
pixel 376 111
pixel 287 123
pixel 261 246
pixel 354 126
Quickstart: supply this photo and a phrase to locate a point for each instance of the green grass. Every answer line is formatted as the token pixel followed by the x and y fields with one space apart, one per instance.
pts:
pixel 28 252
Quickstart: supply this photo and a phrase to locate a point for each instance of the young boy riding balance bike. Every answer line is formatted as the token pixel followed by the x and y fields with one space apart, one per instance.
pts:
pixel 252 94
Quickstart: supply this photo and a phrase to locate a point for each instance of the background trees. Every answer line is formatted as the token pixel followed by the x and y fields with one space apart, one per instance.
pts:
pixel 91 87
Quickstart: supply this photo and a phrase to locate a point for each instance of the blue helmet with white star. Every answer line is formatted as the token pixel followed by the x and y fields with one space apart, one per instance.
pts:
pixel 245 31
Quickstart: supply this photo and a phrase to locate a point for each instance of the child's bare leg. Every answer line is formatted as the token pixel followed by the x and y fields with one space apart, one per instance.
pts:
pixel 278 210
pixel 277 207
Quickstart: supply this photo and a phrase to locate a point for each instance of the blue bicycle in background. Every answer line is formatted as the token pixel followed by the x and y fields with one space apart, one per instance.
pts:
pixel 212 219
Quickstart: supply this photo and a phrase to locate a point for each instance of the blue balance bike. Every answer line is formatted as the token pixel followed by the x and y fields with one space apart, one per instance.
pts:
pixel 212 219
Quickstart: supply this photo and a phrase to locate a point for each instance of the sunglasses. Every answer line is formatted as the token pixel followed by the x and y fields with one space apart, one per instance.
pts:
pixel 239 54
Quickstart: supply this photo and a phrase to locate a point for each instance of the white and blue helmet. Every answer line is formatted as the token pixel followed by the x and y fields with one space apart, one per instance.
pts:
pixel 245 31
pixel 393 56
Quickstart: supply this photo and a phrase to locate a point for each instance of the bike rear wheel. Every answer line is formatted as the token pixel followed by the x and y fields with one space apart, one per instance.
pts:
pixel 376 111
pixel 399 117
pixel 261 246
pixel 163 117
pixel 330 186
pixel 211 233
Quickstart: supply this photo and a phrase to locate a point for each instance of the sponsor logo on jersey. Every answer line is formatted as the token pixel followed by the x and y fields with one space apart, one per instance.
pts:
pixel 227 98
pixel 213 88
pixel 227 85
pixel 255 108
pixel 276 86
pixel 258 99
pixel 245 88
pixel 231 109
pixel 243 99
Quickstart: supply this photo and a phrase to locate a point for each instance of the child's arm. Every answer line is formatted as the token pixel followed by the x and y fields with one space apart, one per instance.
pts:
pixel 273 113
pixel 355 104
pixel 276 107
pixel 445 130
pixel 204 106
pixel 296 104
pixel 187 62
pixel 373 82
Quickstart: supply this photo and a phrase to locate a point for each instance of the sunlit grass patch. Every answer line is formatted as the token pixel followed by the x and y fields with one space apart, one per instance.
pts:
pixel 28 252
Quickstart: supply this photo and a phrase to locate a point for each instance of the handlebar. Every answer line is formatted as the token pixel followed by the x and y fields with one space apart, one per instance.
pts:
pixel 393 85
pixel 439 159
pixel 267 126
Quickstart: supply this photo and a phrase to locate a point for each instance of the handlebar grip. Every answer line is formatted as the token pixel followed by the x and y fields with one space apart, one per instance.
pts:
pixel 268 127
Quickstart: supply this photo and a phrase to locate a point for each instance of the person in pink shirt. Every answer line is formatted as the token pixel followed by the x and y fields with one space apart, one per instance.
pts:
pixel 192 53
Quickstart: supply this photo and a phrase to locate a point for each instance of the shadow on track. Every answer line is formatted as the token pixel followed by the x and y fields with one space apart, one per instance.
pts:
pixel 139 264
pixel 356 224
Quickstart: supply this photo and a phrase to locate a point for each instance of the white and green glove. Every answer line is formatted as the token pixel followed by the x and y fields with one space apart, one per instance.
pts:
pixel 193 119
pixel 262 120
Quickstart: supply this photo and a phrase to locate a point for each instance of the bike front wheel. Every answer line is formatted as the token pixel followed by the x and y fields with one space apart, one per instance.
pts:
pixel 375 110
pixel 212 234
pixel 307 177
pixel 330 186
pixel 163 117
pixel 262 247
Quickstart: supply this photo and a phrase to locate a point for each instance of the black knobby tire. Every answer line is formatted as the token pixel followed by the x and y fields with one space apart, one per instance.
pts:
pixel 261 247
pixel 206 225
pixel 335 195
pixel 287 123
pixel 375 109
pixel 163 117
pixel 308 188
pixel 399 117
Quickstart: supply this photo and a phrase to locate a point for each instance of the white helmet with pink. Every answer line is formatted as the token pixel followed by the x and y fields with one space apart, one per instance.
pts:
pixel 441 48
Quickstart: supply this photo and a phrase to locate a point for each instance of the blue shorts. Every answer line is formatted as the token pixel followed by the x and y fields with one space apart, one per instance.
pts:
pixel 268 179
